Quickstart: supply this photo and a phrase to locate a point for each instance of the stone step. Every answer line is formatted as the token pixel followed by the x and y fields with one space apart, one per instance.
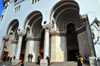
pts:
pixel 72 63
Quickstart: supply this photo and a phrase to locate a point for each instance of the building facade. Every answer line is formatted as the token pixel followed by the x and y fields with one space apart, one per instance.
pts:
pixel 51 28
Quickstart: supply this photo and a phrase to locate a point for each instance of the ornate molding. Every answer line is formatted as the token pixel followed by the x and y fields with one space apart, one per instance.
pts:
pixel 11 32
pixel 5 37
pixel 21 33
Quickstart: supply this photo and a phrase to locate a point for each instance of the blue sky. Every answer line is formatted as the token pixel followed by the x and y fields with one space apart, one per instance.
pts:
pixel 1 7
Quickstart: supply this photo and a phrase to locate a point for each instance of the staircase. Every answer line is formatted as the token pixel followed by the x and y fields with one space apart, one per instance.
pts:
pixel 71 63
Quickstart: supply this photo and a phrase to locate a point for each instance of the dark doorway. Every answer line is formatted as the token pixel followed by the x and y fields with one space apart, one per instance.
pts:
pixel 5 56
pixel 41 49
pixel 72 43
pixel 72 55
pixel 24 41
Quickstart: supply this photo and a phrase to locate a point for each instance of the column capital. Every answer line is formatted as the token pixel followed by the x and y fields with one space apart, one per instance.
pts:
pixel 21 33
pixel 5 37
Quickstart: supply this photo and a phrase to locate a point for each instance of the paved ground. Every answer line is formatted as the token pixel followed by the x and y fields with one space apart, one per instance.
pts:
pixel 72 63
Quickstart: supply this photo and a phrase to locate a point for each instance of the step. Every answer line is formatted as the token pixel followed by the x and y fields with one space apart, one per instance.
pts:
pixel 72 63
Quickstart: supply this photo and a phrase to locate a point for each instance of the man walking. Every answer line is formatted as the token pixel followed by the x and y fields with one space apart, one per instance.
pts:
pixel 31 57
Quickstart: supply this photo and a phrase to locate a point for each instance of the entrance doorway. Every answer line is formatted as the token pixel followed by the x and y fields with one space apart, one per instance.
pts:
pixel 41 48
pixel 24 41
pixel 5 56
pixel 72 55
pixel 72 43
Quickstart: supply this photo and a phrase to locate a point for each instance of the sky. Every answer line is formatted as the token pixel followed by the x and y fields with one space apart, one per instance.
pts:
pixel 90 7
pixel 1 7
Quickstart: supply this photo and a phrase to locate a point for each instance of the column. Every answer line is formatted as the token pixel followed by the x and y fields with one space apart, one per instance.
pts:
pixel 46 43
pixel 17 59
pixel 5 38
pixel 19 47
pixel 58 47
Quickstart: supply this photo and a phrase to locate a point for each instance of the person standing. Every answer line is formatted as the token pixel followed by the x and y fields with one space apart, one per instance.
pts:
pixel 10 59
pixel 38 59
pixel 31 56
pixel 84 59
pixel 14 57
pixel 4 57
pixel 48 60
pixel 80 60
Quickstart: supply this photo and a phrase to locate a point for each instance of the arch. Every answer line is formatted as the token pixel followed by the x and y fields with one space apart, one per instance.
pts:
pixel 64 4
pixel 12 28
pixel 31 17
pixel 66 17
pixel 65 11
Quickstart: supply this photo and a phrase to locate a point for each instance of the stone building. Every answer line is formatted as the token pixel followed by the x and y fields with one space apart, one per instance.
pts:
pixel 51 28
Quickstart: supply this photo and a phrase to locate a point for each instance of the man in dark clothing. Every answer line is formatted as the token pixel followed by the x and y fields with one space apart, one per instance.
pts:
pixel 22 64
pixel 14 57
pixel 31 57
pixel 10 59
pixel 38 60
pixel 4 58
pixel 48 60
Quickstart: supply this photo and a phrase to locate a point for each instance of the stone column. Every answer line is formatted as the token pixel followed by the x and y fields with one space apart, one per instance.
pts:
pixel 46 43
pixel 17 59
pixel 58 47
pixel 5 38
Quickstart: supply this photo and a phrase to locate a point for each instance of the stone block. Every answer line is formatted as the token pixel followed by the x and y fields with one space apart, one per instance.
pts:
pixel 14 62
pixel 92 61
pixel 43 62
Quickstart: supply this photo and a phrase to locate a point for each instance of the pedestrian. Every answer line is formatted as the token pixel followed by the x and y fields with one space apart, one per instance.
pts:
pixel 10 59
pixel 4 57
pixel 14 57
pixel 22 64
pixel 38 59
pixel 48 60
pixel 31 56
pixel 80 60
pixel 84 59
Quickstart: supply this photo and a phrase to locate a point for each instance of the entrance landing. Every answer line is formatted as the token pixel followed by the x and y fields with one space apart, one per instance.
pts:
pixel 69 63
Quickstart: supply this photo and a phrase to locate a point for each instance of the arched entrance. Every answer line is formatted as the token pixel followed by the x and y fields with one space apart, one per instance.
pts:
pixel 41 47
pixel 72 42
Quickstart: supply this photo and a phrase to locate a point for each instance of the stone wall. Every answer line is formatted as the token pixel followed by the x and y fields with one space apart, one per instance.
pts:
pixel 84 47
